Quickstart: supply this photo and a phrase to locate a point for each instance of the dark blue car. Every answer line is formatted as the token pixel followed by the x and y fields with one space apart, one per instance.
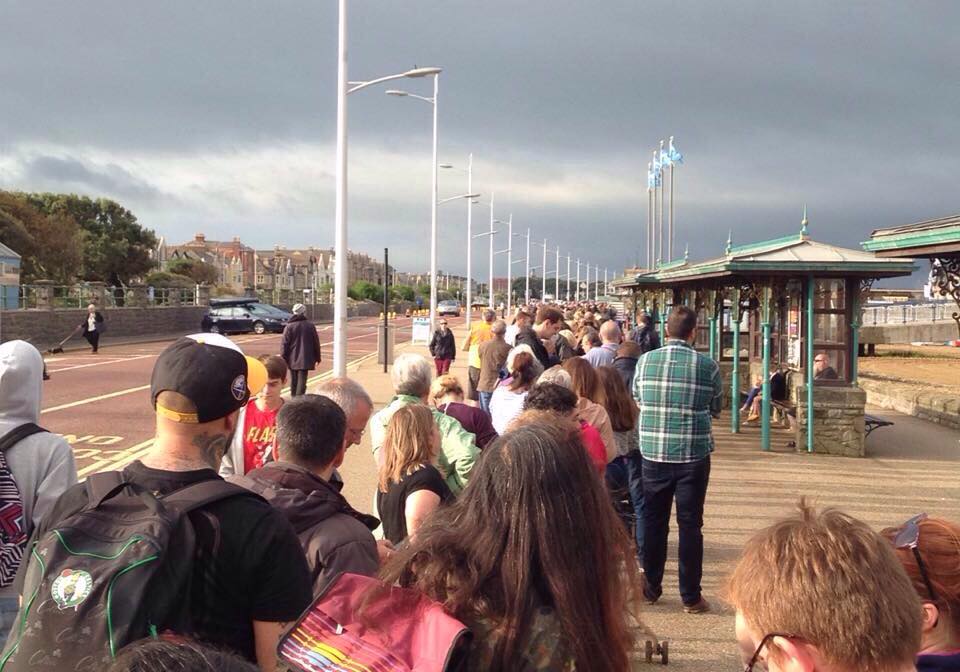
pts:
pixel 234 316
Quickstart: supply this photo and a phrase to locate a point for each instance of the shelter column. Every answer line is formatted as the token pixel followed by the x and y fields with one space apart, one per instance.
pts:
pixel 712 321
pixel 811 288
pixel 662 314
pixel 735 374
pixel 765 300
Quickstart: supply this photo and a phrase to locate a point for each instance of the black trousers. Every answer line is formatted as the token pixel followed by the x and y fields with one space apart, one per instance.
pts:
pixel 298 382
pixel 662 482
pixel 93 338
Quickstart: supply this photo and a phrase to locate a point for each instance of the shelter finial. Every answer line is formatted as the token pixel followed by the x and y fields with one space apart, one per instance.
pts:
pixel 804 223
pixel 686 252
pixel 729 249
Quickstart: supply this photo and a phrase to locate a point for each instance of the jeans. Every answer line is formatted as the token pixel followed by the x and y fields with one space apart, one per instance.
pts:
pixel 624 476
pixel 443 365
pixel 485 401
pixel 298 382
pixel 754 391
pixel 662 482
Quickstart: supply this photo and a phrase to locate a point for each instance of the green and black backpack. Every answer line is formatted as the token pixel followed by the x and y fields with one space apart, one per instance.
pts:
pixel 117 570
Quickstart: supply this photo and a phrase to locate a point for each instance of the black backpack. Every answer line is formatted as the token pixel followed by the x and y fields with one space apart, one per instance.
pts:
pixel 117 570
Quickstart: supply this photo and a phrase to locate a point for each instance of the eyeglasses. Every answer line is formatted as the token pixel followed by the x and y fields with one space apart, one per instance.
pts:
pixel 909 537
pixel 755 658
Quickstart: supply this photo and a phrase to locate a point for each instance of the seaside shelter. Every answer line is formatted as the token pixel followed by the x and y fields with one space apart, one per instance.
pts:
pixel 774 306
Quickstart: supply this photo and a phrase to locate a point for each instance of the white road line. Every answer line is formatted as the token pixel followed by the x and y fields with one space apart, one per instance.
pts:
pixel 100 363
pixel 90 400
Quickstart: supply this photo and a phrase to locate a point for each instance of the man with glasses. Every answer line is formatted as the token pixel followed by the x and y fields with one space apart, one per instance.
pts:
pixel 354 401
pixel 822 592
pixel 822 369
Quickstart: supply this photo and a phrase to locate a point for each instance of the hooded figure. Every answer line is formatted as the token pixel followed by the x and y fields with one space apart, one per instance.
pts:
pixel 300 349
pixel 41 464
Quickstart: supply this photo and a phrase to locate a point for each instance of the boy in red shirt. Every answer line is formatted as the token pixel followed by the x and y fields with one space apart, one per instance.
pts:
pixel 253 442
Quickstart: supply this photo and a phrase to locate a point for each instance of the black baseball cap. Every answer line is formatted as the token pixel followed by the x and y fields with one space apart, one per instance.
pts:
pixel 209 370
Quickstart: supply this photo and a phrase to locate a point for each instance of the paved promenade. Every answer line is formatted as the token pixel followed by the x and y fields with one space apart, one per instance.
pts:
pixel 911 467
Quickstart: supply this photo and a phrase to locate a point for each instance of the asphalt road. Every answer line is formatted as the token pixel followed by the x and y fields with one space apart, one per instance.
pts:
pixel 101 403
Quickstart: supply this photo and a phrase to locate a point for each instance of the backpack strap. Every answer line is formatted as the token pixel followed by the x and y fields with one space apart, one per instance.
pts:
pixel 199 495
pixel 18 434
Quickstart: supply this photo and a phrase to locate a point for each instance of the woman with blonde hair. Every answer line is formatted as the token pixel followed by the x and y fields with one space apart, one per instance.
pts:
pixel 411 487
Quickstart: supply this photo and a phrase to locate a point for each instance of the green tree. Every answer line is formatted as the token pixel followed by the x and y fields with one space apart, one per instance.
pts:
pixel 116 247
pixel 362 290
pixel 50 246
pixel 166 279
pixel 200 272
pixel 402 292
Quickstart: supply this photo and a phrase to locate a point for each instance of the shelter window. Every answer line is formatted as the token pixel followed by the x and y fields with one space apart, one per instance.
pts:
pixel 831 326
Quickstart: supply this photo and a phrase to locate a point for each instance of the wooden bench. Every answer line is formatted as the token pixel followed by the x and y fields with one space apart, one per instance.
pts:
pixel 785 408
pixel 872 422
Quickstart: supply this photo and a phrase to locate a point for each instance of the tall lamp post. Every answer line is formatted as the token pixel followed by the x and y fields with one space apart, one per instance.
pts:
pixel 578 282
pixel 568 277
pixel 345 87
pixel 434 196
pixel 526 290
pixel 556 283
pixel 470 204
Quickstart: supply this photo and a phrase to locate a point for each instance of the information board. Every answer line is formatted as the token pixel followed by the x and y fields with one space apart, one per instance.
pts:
pixel 421 330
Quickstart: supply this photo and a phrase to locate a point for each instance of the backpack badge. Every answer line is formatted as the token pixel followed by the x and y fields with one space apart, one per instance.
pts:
pixel 71 588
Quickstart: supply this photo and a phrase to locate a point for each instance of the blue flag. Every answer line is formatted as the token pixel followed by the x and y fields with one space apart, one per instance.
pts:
pixel 651 178
pixel 673 153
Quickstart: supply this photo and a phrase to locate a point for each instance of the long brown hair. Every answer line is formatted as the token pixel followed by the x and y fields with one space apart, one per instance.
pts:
pixel 504 550
pixel 620 407
pixel 585 381
pixel 407 444
pixel 524 371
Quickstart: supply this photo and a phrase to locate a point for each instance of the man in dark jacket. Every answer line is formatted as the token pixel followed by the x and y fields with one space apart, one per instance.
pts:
pixel 626 362
pixel 300 349
pixel 645 335
pixel 540 337
pixel 335 537
pixel 443 348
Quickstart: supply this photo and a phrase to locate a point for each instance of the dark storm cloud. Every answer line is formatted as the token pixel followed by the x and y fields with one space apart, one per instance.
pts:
pixel 66 173
pixel 847 107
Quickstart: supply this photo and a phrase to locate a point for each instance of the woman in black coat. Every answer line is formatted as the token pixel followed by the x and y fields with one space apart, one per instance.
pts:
pixel 443 348
pixel 91 327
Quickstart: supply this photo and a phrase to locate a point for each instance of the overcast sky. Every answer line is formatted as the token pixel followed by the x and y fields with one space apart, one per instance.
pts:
pixel 219 117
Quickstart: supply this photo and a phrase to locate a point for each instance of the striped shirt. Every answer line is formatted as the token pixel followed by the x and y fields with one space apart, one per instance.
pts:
pixel 677 388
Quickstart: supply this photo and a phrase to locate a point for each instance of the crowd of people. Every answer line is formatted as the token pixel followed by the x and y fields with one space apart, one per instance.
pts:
pixel 533 506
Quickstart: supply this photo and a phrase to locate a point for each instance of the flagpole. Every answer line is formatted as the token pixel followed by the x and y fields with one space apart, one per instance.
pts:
pixel 670 229
pixel 660 224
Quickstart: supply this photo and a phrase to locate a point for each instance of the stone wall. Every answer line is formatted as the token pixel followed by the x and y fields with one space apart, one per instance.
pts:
pixel 936 332
pixel 838 424
pixel 46 328
pixel 926 402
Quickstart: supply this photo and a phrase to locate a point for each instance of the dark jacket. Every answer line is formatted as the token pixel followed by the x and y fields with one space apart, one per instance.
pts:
pixel 301 344
pixel 529 337
pixel 627 368
pixel 946 662
pixel 646 337
pixel 98 318
pixel 334 536
pixel 442 346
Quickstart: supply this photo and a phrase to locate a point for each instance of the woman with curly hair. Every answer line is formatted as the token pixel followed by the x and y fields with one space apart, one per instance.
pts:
pixel 508 559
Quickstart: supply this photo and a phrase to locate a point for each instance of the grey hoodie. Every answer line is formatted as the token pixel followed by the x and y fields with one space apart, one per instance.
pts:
pixel 42 464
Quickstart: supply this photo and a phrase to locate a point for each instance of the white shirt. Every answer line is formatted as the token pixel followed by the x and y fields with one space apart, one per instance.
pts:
pixel 92 322
pixel 511 335
pixel 505 405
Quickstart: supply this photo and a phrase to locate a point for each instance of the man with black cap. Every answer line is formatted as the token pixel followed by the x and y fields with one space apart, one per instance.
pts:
pixel 250 577
pixel 300 349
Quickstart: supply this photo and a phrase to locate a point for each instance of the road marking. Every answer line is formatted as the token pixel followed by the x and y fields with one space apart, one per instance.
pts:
pixel 118 461
pixel 90 400
pixel 100 363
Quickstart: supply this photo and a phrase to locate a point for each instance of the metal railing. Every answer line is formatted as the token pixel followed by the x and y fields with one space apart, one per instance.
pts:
pixel 66 297
pixel 904 313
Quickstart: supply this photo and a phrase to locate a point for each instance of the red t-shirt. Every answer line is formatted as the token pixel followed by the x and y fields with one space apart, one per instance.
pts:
pixel 593 442
pixel 259 432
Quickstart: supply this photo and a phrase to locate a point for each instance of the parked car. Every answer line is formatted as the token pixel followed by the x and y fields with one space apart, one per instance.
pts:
pixel 448 308
pixel 236 316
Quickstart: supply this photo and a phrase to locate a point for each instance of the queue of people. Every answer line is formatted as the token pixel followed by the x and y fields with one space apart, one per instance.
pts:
pixel 166 566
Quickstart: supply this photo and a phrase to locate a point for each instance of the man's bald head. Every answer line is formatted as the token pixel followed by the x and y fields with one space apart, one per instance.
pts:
pixel 610 332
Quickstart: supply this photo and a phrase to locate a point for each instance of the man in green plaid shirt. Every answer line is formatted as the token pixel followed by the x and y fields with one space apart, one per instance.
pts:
pixel 678 391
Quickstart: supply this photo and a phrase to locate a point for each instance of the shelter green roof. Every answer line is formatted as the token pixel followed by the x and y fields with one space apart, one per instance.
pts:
pixel 928 238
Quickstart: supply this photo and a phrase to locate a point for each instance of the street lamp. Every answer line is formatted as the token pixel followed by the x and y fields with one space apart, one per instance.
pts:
pixel 509 252
pixel 345 87
pixel 470 204
pixel 433 190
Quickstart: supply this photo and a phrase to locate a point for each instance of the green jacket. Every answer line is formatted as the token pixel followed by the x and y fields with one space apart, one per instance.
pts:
pixel 458 447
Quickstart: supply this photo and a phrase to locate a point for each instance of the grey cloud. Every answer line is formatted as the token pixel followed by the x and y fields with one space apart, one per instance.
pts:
pixel 68 173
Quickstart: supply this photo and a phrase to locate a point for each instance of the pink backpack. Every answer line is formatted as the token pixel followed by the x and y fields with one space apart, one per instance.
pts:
pixel 361 623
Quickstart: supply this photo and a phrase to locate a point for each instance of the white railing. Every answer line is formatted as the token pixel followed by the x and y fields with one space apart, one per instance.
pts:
pixel 904 313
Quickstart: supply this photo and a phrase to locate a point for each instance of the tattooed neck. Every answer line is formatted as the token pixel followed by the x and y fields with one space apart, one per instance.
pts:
pixel 212 448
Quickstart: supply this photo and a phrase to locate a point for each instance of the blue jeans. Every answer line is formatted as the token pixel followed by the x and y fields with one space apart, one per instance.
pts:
pixel 624 475
pixel 662 482
pixel 754 391
pixel 485 401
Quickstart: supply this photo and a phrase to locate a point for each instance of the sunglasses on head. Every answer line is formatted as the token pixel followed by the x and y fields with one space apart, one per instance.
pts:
pixel 755 658
pixel 909 537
